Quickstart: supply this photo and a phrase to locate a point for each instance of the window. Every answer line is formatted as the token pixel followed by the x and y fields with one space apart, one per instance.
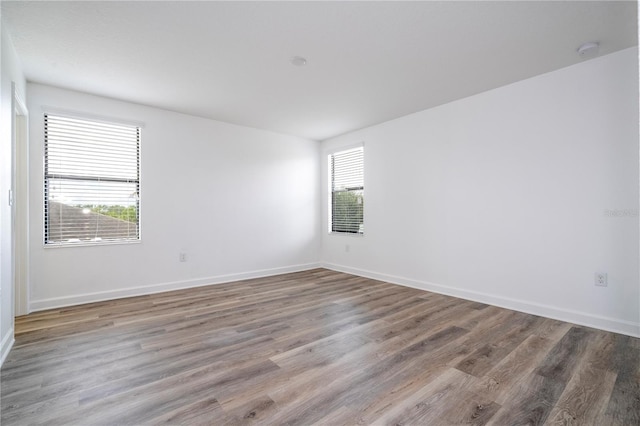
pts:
pixel 91 181
pixel 346 170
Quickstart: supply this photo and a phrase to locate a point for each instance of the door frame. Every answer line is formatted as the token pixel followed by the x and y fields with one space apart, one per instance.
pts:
pixel 19 202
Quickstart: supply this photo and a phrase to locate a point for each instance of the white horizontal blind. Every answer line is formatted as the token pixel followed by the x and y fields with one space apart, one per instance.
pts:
pixel 91 182
pixel 347 191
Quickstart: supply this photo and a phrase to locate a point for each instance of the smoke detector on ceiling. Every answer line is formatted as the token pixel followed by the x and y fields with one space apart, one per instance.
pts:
pixel 588 49
pixel 298 61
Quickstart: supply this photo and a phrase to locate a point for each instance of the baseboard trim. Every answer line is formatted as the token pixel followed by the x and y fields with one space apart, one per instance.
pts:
pixel 603 323
pixel 6 344
pixel 59 302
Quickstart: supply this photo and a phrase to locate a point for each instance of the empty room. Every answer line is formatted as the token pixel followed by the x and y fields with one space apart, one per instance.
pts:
pixel 330 213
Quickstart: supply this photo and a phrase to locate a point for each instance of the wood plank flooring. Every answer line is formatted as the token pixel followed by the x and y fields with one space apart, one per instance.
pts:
pixel 315 347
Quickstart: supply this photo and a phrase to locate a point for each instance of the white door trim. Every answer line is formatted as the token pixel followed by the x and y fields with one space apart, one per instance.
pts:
pixel 20 207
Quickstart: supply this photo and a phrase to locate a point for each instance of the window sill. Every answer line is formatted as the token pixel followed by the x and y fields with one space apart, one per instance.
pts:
pixel 90 244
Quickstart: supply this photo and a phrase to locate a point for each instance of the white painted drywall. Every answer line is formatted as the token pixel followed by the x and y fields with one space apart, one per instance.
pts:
pixel 240 202
pixel 11 71
pixel 503 196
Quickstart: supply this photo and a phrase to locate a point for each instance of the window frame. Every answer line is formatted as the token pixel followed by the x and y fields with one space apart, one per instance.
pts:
pixel 330 198
pixel 88 119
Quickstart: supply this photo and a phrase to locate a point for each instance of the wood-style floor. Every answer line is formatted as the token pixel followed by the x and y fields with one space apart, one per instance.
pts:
pixel 315 347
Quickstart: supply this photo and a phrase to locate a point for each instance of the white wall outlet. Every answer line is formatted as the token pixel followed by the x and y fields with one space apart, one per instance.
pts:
pixel 183 257
pixel 601 279
pixel 347 248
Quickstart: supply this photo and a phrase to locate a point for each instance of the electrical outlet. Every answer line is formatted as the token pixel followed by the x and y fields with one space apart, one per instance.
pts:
pixel 183 257
pixel 347 248
pixel 601 279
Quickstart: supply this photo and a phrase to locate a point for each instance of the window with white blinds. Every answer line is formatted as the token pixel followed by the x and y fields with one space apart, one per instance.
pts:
pixel 91 181
pixel 346 170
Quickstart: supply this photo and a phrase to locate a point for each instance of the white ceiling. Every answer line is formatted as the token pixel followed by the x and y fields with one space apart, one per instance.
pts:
pixel 368 62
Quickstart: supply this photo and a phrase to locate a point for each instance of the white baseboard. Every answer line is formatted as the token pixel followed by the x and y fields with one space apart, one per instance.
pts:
pixel 603 323
pixel 59 302
pixel 6 344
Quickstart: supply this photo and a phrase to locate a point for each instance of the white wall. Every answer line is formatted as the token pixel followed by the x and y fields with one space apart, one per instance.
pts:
pixel 501 197
pixel 10 71
pixel 240 202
